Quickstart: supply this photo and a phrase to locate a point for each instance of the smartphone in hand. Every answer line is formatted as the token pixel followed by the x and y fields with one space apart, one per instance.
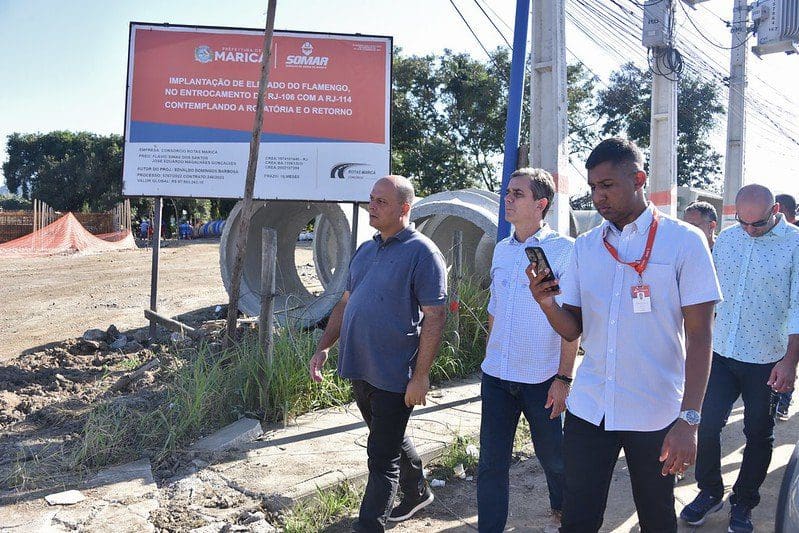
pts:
pixel 536 255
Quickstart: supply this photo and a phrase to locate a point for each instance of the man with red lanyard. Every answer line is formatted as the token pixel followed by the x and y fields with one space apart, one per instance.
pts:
pixel 640 290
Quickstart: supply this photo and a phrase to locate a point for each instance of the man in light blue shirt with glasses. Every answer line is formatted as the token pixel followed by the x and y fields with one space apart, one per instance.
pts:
pixel 755 350
pixel 528 367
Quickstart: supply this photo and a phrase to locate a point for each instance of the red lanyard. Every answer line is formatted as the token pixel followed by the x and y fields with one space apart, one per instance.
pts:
pixel 640 265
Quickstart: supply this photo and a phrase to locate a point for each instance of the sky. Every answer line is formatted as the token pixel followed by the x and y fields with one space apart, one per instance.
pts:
pixel 64 64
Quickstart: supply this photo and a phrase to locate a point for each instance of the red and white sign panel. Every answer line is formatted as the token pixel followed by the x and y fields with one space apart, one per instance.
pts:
pixel 191 103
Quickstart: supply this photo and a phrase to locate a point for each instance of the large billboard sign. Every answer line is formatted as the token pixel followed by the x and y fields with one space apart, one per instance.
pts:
pixel 191 98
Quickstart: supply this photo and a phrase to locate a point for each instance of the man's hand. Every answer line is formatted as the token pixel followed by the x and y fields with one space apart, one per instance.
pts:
pixel 782 376
pixel 417 389
pixel 556 397
pixel 316 365
pixel 679 448
pixel 544 292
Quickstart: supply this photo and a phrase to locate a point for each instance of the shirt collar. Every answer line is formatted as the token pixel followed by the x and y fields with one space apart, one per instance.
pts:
pixel 780 227
pixel 544 232
pixel 640 225
pixel 402 236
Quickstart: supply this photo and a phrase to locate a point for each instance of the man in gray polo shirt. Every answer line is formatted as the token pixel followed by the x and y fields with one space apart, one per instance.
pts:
pixel 389 323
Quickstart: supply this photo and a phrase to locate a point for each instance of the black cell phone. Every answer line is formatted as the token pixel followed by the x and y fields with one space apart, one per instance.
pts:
pixel 536 255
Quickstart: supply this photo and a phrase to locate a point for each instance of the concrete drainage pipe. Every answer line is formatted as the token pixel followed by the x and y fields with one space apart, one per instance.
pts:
pixel 472 211
pixel 325 245
pixel 294 302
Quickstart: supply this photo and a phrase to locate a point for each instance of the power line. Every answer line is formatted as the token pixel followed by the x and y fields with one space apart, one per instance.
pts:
pixel 599 18
pixel 504 23
pixel 490 57
pixel 701 34
pixel 492 23
pixel 471 30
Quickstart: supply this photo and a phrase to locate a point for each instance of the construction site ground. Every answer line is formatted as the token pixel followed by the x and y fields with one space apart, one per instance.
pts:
pixel 49 300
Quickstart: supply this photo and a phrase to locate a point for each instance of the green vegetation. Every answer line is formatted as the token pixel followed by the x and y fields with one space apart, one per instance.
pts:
pixel 453 455
pixel 323 510
pixel 204 389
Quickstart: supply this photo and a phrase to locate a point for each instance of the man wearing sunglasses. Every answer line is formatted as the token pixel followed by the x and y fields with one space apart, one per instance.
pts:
pixel 755 350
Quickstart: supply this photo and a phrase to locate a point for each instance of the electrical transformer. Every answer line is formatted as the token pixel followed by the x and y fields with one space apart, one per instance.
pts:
pixel 777 26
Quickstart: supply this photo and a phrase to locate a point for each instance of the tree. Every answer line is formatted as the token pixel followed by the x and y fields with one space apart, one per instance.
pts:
pixel 625 107
pixel 68 171
pixel 449 112
pixel 423 146
pixel 10 202
pixel 83 172
pixel 581 87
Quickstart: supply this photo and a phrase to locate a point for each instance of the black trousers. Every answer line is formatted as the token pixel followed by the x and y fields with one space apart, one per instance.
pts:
pixel 392 458
pixel 590 453
pixel 730 379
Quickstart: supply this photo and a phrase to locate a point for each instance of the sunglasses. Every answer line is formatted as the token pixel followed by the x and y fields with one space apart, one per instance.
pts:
pixel 759 223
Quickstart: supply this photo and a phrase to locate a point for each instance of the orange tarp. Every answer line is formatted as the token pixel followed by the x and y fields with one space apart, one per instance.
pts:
pixel 67 235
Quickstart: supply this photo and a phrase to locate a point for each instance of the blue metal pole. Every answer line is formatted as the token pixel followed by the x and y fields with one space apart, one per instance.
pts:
pixel 514 120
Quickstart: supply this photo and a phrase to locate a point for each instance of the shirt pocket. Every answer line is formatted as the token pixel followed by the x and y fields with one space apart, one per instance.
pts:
pixel 663 288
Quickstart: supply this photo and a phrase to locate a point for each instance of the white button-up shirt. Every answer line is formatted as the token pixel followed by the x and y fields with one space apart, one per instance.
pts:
pixel 522 346
pixel 759 278
pixel 633 372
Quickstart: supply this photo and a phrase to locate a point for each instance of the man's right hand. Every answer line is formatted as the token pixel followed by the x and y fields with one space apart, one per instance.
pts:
pixel 316 365
pixel 544 292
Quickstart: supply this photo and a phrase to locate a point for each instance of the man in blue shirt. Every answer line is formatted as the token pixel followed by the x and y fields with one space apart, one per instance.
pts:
pixel 755 350
pixel 389 324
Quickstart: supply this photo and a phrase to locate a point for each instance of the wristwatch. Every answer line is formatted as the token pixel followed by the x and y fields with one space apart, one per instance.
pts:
pixel 691 417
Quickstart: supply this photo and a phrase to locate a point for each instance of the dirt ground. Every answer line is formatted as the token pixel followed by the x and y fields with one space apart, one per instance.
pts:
pixel 50 299
pixel 455 506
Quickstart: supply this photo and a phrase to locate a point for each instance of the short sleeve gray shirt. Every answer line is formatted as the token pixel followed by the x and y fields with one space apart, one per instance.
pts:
pixel 388 283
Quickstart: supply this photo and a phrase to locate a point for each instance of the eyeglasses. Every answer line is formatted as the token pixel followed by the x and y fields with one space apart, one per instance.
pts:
pixel 759 223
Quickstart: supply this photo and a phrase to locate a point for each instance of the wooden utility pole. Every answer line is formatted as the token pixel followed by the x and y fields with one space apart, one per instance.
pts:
pixel 249 186
pixel 454 289
pixel 268 268
pixel 158 208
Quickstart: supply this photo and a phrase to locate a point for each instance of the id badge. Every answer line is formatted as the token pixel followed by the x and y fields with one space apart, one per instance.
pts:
pixel 641 299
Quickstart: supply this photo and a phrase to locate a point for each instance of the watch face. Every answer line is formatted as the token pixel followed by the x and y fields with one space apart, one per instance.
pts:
pixel 692 417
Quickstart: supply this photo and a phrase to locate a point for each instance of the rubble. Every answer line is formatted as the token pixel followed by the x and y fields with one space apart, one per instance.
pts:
pixel 240 432
pixel 94 335
pixel 132 347
pixel 119 343
pixel 69 497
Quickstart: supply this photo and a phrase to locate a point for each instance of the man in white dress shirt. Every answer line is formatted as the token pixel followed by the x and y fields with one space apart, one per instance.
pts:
pixel 528 367
pixel 756 348
pixel 640 289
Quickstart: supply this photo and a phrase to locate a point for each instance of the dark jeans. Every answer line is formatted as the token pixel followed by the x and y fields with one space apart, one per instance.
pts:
pixel 392 459
pixel 785 398
pixel 503 403
pixel 591 453
pixel 728 380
